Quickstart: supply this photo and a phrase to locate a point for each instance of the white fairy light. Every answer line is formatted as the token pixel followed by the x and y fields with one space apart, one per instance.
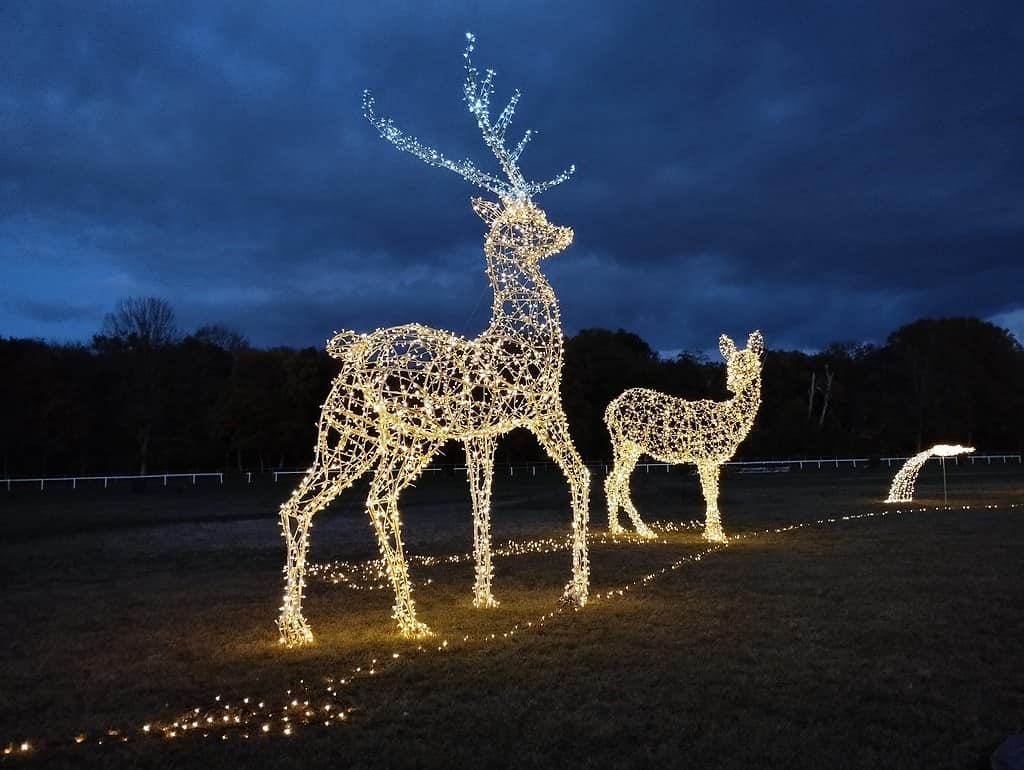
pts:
pixel 402 392
pixel 902 489
pixel 477 95
pixel 673 430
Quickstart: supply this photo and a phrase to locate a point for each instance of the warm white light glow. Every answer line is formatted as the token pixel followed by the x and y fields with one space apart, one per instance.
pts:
pixel 673 430
pixel 402 392
pixel 902 489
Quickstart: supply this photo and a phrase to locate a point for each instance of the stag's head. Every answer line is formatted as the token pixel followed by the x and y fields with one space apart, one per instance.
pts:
pixel 522 228
pixel 741 366
pixel 515 192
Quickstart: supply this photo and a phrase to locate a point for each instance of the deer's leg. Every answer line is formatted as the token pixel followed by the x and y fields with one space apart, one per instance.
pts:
pixel 617 490
pixel 480 465
pixel 613 490
pixel 401 463
pixel 712 518
pixel 335 468
pixel 552 431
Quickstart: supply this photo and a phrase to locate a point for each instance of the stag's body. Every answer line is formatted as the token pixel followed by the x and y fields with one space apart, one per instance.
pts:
pixel 674 430
pixel 403 392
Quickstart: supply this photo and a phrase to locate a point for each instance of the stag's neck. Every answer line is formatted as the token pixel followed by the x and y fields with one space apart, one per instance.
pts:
pixel 524 302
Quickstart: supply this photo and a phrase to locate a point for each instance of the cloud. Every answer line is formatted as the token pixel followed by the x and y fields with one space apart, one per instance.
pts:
pixel 823 170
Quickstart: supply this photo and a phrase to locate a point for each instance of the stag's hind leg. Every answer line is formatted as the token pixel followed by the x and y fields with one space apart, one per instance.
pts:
pixel 401 462
pixel 343 454
pixel 712 518
pixel 616 488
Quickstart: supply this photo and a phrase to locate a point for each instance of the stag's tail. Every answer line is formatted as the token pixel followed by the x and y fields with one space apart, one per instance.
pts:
pixel 338 345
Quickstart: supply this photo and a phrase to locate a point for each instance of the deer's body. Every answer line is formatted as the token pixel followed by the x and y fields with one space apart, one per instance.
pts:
pixel 674 430
pixel 443 385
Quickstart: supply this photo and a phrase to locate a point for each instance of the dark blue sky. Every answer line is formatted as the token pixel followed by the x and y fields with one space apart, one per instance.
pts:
pixel 825 171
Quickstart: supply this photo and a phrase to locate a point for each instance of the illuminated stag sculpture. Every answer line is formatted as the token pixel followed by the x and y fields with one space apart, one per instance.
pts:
pixel 402 392
pixel 674 430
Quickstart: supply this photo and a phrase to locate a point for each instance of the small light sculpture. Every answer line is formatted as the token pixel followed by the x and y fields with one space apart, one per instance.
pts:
pixel 673 430
pixel 902 489
pixel 403 391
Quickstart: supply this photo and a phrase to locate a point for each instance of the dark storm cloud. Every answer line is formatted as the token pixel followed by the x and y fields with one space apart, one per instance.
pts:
pixel 825 172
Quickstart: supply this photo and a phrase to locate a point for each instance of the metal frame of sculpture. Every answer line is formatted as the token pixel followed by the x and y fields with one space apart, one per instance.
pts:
pixel 902 488
pixel 403 391
pixel 674 430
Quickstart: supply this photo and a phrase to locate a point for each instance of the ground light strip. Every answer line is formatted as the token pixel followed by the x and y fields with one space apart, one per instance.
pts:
pixel 248 718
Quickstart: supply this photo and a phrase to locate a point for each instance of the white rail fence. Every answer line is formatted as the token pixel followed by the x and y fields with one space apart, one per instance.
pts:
pixel 42 482
pixel 530 469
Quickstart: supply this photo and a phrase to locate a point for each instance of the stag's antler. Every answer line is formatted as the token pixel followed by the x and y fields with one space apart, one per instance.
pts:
pixel 477 97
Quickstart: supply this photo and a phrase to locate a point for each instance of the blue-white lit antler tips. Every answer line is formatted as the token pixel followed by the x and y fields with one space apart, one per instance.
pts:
pixel 477 95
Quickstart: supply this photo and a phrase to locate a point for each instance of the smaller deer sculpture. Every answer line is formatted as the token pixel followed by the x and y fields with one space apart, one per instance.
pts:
pixel 674 430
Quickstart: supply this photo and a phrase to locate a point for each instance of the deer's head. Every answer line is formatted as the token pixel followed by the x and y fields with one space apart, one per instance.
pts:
pixel 522 227
pixel 741 366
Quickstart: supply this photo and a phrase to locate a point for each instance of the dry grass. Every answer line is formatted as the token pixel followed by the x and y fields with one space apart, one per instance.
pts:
pixel 883 641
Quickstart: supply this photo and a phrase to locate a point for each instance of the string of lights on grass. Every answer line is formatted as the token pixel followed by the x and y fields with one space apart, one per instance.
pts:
pixel 403 392
pixel 371 575
pixel 325 705
pixel 673 430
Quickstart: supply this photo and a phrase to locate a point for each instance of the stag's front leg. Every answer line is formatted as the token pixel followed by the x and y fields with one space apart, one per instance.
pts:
pixel 401 464
pixel 712 518
pixel 480 468
pixel 552 431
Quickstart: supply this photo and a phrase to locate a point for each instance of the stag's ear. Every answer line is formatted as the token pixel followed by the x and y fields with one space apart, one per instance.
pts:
pixel 486 210
pixel 755 342
pixel 726 346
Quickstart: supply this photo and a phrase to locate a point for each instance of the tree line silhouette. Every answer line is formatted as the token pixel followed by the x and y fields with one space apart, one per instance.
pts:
pixel 144 398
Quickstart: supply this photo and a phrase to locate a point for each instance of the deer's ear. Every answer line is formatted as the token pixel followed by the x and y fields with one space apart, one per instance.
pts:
pixel 726 346
pixel 755 342
pixel 486 210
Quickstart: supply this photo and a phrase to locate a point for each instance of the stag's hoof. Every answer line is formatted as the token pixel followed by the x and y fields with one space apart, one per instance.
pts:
pixel 294 631
pixel 413 629
pixel 645 533
pixel 715 535
pixel 485 602
pixel 615 530
pixel 575 596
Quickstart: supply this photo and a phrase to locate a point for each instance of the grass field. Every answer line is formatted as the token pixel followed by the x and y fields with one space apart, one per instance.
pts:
pixel 880 641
